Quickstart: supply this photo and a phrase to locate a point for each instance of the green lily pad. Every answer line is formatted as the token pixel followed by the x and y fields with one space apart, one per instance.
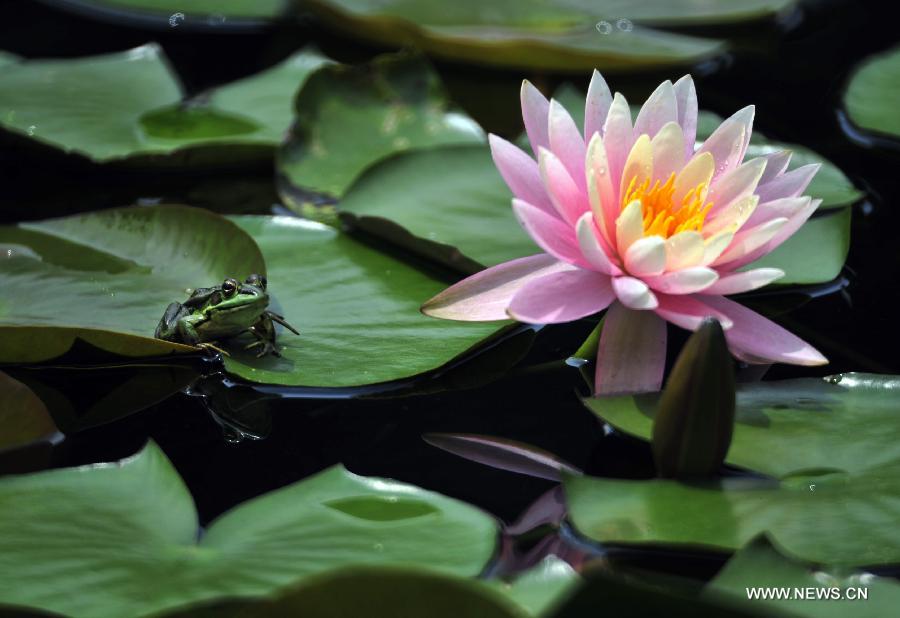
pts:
pixel 401 592
pixel 349 117
pixel 357 311
pixel 23 416
pixel 759 564
pixel 129 106
pixel 133 527
pixel 871 92
pixel 558 35
pixel 451 202
pixel 260 9
pixel 835 499
pixel 541 587
pixel 107 277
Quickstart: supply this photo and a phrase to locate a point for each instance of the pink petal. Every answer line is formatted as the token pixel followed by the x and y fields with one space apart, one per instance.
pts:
pixel 735 283
pixel 777 162
pixel 685 281
pixel 568 201
pixel 688 312
pixel 562 297
pixel 629 227
pixel 601 193
pixel 596 107
pixel 660 109
pixel 748 240
pixel 520 173
pixel 668 151
pixel 754 339
pixel 646 256
pixel 618 137
pixel 686 100
pixel 589 243
pixel 566 143
pixel 684 249
pixel 550 233
pixel 535 111
pixel 728 143
pixel 632 354
pixel 794 223
pixel 485 295
pixel 790 184
pixel 634 293
pixel 736 183
pixel 784 207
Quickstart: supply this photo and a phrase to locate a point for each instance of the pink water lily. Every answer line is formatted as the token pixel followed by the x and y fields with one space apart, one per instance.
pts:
pixel 639 220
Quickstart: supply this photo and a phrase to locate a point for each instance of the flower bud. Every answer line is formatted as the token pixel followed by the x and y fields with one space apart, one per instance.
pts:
pixel 695 418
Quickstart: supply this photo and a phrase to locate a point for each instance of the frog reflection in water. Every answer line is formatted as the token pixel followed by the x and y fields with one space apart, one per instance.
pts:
pixel 221 312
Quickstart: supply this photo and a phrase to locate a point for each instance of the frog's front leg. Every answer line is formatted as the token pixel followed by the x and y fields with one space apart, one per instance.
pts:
pixel 167 329
pixel 187 331
pixel 264 331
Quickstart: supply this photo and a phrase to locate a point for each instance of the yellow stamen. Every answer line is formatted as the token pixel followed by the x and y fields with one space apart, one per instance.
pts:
pixel 663 217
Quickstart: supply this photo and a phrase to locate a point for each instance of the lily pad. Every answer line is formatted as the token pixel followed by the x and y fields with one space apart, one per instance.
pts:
pixel 23 416
pixel 558 35
pixel 834 498
pixel 541 587
pixel 107 277
pixel 349 117
pixel 760 564
pixel 871 92
pixel 214 11
pixel 149 554
pixel 449 204
pixel 357 311
pixel 129 106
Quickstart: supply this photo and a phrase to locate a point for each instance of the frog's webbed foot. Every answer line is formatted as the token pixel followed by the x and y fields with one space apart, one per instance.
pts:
pixel 206 345
pixel 280 319
pixel 267 347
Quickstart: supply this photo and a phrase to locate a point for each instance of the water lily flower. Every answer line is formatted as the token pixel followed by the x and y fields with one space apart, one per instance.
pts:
pixel 640 220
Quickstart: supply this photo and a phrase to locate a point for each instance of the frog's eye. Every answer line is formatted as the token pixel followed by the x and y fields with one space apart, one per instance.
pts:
pixel 229 287
pixel 257 280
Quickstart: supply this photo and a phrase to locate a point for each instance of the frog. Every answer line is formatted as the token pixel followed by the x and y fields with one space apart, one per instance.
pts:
pixel 222 312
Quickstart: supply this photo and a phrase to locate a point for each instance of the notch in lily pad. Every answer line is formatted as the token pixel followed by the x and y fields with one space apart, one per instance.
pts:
pixel 693 428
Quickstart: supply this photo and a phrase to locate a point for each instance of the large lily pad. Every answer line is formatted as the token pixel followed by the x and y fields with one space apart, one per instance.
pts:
pixel 350 117
pixel 130 106
pixel 357 311
pixel 107 277
pixel 872 92
pixel 760 565
pixel 834 499
pixel 122 539
pixel 451 202
pixel 560 36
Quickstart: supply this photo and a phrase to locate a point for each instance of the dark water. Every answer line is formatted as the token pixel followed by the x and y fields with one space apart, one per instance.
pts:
pixel 234 442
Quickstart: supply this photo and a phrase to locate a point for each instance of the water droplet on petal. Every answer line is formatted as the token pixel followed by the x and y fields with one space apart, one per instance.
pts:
pixel 625 25
pixel 378 547
pixel 32 129
pixel 604 27
pixel 175 19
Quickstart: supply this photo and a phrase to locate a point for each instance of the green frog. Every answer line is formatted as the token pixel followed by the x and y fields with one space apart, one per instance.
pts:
pixel 221 312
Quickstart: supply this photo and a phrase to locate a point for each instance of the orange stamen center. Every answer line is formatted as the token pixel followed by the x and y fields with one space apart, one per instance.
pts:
pixel 662 216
